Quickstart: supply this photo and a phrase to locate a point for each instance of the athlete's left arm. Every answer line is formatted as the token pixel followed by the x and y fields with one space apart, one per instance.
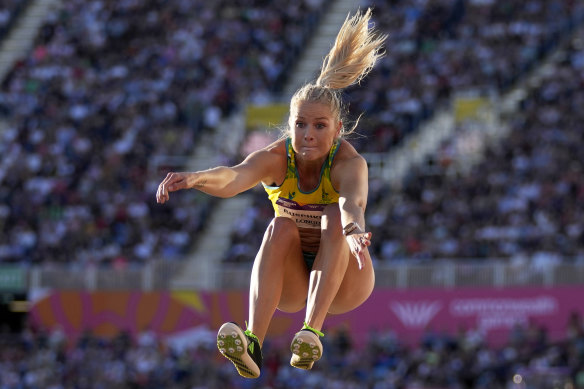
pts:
pixel 351 179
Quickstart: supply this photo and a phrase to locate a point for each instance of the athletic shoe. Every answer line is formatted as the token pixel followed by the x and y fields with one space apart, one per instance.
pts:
pixel 306 348
pixel 241 348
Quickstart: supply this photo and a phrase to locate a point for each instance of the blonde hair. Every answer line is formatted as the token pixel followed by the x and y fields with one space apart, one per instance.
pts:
pixel 354 53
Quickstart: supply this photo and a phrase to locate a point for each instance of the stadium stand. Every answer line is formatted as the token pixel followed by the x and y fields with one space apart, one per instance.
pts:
pixel 522 202
pixel 437 47
pixel 108 87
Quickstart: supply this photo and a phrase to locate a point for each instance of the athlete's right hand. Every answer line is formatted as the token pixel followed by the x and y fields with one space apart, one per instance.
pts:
pixel 358 243
pixel 171 183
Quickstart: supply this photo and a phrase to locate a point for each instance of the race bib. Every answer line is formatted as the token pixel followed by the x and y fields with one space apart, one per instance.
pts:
pixel 306 216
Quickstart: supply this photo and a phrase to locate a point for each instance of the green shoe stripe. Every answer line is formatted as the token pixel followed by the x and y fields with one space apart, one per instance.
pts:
pixel 250 334
pixel 307 327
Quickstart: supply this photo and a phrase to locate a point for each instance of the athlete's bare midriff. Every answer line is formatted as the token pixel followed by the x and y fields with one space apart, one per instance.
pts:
pixel 309 239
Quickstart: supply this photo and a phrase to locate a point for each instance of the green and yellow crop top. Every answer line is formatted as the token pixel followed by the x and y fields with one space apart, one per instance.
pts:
pixel 305 208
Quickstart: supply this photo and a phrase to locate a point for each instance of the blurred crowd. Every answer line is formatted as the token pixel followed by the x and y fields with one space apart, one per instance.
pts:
pixel 527 359
pixel 524 200
pixel 10 10
pixel 439 48
pixel 110 90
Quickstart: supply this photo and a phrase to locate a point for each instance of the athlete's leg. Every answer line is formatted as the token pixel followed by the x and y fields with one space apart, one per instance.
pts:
pixel 356 287
pixel 279 277
pixel 336 283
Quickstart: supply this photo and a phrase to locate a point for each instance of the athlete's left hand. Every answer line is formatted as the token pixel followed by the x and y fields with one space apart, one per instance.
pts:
pixel 358 243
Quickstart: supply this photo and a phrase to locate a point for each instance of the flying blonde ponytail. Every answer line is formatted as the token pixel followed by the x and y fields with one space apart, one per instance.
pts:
pixel 354 53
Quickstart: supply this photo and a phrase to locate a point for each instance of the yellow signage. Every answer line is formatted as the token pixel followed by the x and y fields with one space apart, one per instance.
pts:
pixel 265 115
pixel 468 107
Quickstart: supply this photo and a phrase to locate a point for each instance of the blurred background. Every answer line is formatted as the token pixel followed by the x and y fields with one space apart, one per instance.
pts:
pixel 472 129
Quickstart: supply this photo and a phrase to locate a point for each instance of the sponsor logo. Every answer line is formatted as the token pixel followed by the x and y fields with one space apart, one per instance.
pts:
pixel 416 314
pixel 503 312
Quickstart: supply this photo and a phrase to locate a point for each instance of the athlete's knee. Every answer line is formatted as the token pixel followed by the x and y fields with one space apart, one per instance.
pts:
pixel 282 228
pixel 344 303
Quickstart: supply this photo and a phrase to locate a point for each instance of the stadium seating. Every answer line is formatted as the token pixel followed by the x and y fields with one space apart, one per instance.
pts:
pixel 441 47
pixel 109 87
pixel 522 202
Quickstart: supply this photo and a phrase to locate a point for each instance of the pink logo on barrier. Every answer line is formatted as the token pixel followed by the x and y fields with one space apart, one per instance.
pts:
pixel 503 312
pixel 416 314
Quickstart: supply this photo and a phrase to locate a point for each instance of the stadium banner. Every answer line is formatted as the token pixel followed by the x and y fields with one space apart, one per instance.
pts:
pixel 409 314
pixel 12 278
pixel 468 104
pixel 264 116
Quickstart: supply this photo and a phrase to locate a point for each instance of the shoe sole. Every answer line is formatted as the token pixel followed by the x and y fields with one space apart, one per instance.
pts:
pixel 306 349
pixel 232 343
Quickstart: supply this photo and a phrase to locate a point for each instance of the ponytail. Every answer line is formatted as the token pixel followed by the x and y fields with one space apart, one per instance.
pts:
pixel 355 52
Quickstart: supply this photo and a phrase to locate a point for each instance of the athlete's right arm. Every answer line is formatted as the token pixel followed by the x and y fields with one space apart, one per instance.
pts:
pixel 223 181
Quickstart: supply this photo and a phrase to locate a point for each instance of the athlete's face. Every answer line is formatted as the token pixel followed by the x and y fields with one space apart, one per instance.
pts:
pixel 313 130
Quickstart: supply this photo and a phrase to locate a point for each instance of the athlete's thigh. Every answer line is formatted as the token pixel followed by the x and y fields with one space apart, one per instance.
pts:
pixel 295 283
pixel 357 284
